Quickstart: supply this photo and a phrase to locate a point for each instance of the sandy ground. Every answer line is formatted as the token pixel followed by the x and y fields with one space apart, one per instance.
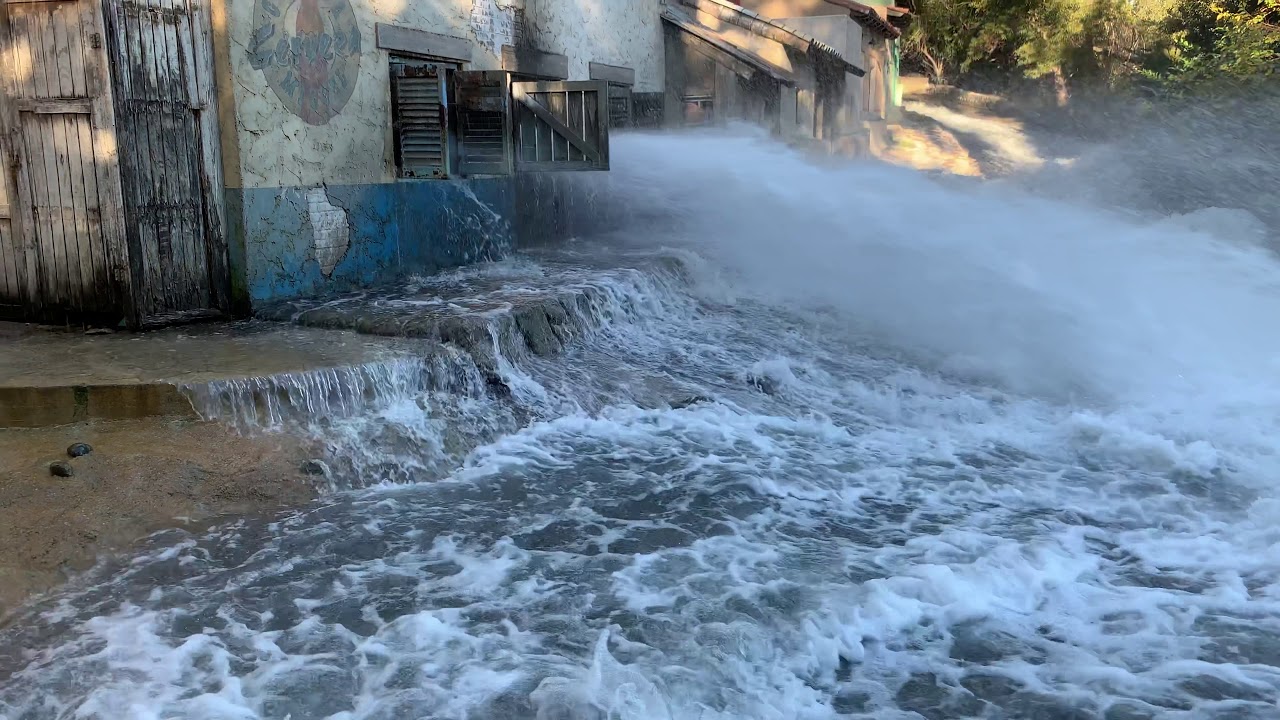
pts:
pixel 143 476
pixel 938 132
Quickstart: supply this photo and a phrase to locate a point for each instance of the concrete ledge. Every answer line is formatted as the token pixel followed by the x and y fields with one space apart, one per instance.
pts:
pixel 32 407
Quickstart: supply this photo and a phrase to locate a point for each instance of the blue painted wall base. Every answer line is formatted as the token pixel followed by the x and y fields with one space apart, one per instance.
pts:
pixel 396 229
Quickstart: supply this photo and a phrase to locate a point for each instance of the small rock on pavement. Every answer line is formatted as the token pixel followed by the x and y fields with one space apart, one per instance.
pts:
pixel 316 468
pixel 79 450
pixel 61 469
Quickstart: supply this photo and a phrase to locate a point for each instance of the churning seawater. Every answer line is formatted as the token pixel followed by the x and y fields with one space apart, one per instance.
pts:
pixel 841 442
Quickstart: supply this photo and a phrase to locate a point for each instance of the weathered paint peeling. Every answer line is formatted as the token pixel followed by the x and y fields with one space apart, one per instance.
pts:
pixel 330 231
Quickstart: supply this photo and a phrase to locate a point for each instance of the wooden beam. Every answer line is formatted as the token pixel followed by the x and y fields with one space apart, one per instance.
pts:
pixel 421 42
pixel 60 106
pixel 612 73
pixel 535 63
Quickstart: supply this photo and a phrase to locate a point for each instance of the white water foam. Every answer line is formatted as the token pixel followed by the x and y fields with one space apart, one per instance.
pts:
pixel 865 474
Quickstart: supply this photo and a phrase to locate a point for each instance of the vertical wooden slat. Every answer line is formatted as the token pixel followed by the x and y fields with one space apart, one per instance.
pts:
pixel 140 147
pixel 170 127
pixel 61 52
pixel 574 118
pixel 7 274
pixel 100 276
pixel 10 275
pixel 80 159
pixel 58 75
pixel 211 179
pixel 20 31
pixel 71 180
pixel 43 145
pixel 180 138
pixel 106 159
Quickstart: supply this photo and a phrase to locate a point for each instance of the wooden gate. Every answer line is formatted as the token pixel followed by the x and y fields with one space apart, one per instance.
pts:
pixel 169 160
pixel 110 148
pixel 63 247
pixel 561 125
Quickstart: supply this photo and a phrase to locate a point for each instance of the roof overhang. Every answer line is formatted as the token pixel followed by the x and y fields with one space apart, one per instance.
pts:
pixel 867 17
pixel 772 29
pixel 741 61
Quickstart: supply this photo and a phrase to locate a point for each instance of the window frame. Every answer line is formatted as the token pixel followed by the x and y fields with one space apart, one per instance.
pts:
pixel 446 67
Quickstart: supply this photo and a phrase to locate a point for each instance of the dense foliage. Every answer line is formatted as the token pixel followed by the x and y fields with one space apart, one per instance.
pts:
pixel 1168 44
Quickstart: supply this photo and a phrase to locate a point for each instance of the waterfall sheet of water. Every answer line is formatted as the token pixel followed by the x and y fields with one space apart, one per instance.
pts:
pixel 810 454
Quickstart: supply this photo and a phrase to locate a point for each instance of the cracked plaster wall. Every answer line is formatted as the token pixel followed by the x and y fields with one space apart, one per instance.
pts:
pixel 614 32
pixel 279 149
pixel 318 207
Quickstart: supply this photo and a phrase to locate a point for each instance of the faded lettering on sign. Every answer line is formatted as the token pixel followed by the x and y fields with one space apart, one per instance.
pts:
pixel 309 52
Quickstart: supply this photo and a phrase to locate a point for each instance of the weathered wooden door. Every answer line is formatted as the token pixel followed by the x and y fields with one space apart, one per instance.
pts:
pixel 169 157
pixel 63 248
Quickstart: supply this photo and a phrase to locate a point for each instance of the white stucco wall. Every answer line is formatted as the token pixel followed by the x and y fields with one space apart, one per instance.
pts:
pixel 615 32
pixel 278 148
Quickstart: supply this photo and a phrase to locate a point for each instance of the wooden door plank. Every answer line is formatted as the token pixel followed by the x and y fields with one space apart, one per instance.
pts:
pixel 106 158
pixel 46 80
pixel 132 126
pixel 186 53
pixel 20 39
pixel 575 118
pixel 141 149
pixel 15 24
pixel 55 106
pixel 186 153
pixel 62 50
pixel 71 242
pixel 211 177
pixel 80 154
pixel 8 274
pixel 76 48
pixel 173 109
pixel 53 246
pixel 100 273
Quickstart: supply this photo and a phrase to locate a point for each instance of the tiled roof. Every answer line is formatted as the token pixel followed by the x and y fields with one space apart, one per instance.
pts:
pixel 756 22
pixel 869 18
pixel 682 21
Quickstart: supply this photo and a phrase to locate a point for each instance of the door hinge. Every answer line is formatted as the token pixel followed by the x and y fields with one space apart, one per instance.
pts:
pixel 95 41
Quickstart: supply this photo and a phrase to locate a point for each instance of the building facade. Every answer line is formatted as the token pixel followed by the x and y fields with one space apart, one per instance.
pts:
pixel 821 70
pixel 168 159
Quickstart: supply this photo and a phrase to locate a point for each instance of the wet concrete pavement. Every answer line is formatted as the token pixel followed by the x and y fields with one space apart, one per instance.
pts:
pixel 50 376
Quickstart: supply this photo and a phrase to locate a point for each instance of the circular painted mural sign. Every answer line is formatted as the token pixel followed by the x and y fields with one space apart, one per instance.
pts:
pixel 309 52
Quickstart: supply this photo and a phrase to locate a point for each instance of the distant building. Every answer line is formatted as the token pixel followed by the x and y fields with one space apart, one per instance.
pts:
pixel 807 69
pixel 166 160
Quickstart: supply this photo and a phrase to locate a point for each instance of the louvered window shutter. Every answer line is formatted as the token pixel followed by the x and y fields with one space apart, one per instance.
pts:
pixel 619 105
pixel 482 107
pixel 421 120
